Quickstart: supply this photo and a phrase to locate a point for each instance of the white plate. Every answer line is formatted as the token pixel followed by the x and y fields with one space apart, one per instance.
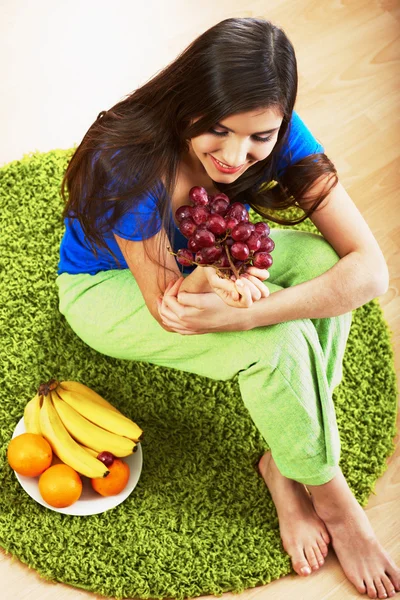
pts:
pixel 90 502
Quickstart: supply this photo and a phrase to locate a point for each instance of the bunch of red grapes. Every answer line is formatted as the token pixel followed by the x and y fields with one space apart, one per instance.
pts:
pixel 220 235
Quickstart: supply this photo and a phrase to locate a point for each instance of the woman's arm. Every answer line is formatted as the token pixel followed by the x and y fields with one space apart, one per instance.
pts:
pixel 360 275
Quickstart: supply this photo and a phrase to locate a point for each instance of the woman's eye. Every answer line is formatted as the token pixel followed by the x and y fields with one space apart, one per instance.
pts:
pixel 218 132
pixel 256 137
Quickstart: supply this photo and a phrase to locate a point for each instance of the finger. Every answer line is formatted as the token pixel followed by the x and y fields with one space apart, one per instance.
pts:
pixel 170 320
pixel 172 307
pixel 191 300
pixel 174 288
pixel 220 282
pixel 166 313
pixel 179 330
pixel 254 290
pixel 260 273
pixel 245 299
pixel 259 284
pixel 227 298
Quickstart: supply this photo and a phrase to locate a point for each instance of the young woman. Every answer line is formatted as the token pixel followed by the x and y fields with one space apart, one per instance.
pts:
pixel 221 116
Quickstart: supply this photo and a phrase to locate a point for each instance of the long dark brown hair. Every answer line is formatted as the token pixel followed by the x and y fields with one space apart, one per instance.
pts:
pixel 239 65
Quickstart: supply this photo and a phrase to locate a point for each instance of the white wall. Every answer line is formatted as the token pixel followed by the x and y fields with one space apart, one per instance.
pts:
pixel 63 61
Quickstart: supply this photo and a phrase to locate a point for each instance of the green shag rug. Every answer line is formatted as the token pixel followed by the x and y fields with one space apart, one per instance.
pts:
pixel 201 520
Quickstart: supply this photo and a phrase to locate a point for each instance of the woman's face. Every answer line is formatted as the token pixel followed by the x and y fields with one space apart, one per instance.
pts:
pixel 239 140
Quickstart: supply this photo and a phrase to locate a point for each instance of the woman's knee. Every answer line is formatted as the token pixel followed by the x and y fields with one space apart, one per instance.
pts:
pixel 300 256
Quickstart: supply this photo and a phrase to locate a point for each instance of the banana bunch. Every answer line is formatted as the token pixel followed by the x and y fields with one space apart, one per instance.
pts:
pixel 79 424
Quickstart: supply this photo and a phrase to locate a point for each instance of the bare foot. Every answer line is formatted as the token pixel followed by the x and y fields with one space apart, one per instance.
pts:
pixel 303 533
pixel 364 561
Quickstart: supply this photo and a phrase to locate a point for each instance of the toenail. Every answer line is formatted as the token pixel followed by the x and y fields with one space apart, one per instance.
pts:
pixel 306 570
pixel 321 562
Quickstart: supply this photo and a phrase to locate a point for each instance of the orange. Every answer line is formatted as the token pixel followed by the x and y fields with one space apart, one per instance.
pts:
pixel 115 481
pixel 60 486
pixel 29 454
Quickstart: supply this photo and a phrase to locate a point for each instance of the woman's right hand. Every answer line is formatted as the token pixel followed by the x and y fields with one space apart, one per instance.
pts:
pixel 196 314
pixel 242 292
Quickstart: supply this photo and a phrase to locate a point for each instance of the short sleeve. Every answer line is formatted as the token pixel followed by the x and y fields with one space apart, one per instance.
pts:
pixel 140 218
pixel 300 143
pixel 140 222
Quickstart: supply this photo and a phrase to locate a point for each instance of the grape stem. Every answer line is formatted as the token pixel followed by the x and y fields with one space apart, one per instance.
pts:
pixel 234 269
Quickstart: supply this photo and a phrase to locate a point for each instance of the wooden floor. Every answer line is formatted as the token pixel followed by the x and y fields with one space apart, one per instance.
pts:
pixel 348 57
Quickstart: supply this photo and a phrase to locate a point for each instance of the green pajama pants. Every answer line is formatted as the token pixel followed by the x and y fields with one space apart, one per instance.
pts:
pixel 287 371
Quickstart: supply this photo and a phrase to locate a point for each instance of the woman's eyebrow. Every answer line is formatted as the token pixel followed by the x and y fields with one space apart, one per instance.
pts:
pixel 258 132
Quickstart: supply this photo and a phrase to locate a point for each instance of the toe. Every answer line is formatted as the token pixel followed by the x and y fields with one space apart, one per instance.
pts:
pixel 318 555
pixel 371 589
pixel 360 586
pixel 380 588
pixel 325 537
pixel 323 547
pixel 312 559
pixel 389 587
pixel 299 562
pixel 394 575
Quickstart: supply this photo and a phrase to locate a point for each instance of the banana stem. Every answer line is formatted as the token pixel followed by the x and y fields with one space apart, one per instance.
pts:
pixel 46 388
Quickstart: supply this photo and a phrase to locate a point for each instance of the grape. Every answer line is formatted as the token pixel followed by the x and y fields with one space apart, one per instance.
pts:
pixel 187 227
pixel 220 234
pixel 241 232
pixel 223 261
pixel 192 245
pixel 240 250
pixel 238 211
pixel 199 214
pixel 106 457
pixel 183 212
pixel 254 242
pixel 202 226
pixel 231 223
pixel 199 258
pixel 198 195
pixel 184 257
pixel 219 205
pixel 217 224
pixel 267 245
pixel 262 228
pixel 262 260
pixel 222 196
pixel 204 238
pixel 211 254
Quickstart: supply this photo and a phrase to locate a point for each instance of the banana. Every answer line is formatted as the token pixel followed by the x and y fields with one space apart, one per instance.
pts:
pixel 64 446
pixel 87 392
pixel 88 433
pixel 101 415
pixel 90 450
pixel 31 415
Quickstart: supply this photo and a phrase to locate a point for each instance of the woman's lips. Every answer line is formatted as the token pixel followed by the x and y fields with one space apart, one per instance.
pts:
pixel 225 169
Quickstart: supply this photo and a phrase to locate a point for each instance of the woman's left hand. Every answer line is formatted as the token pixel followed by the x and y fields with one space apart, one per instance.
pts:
pixel 195 314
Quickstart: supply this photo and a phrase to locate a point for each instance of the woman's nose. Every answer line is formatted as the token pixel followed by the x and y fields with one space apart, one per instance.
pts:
pixel 235 155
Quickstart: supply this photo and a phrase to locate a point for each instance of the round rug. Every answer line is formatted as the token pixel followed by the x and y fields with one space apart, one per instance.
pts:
pixel 201 520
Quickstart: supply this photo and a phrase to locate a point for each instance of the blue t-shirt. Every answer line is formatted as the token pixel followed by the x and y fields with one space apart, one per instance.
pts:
pixel 76 255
